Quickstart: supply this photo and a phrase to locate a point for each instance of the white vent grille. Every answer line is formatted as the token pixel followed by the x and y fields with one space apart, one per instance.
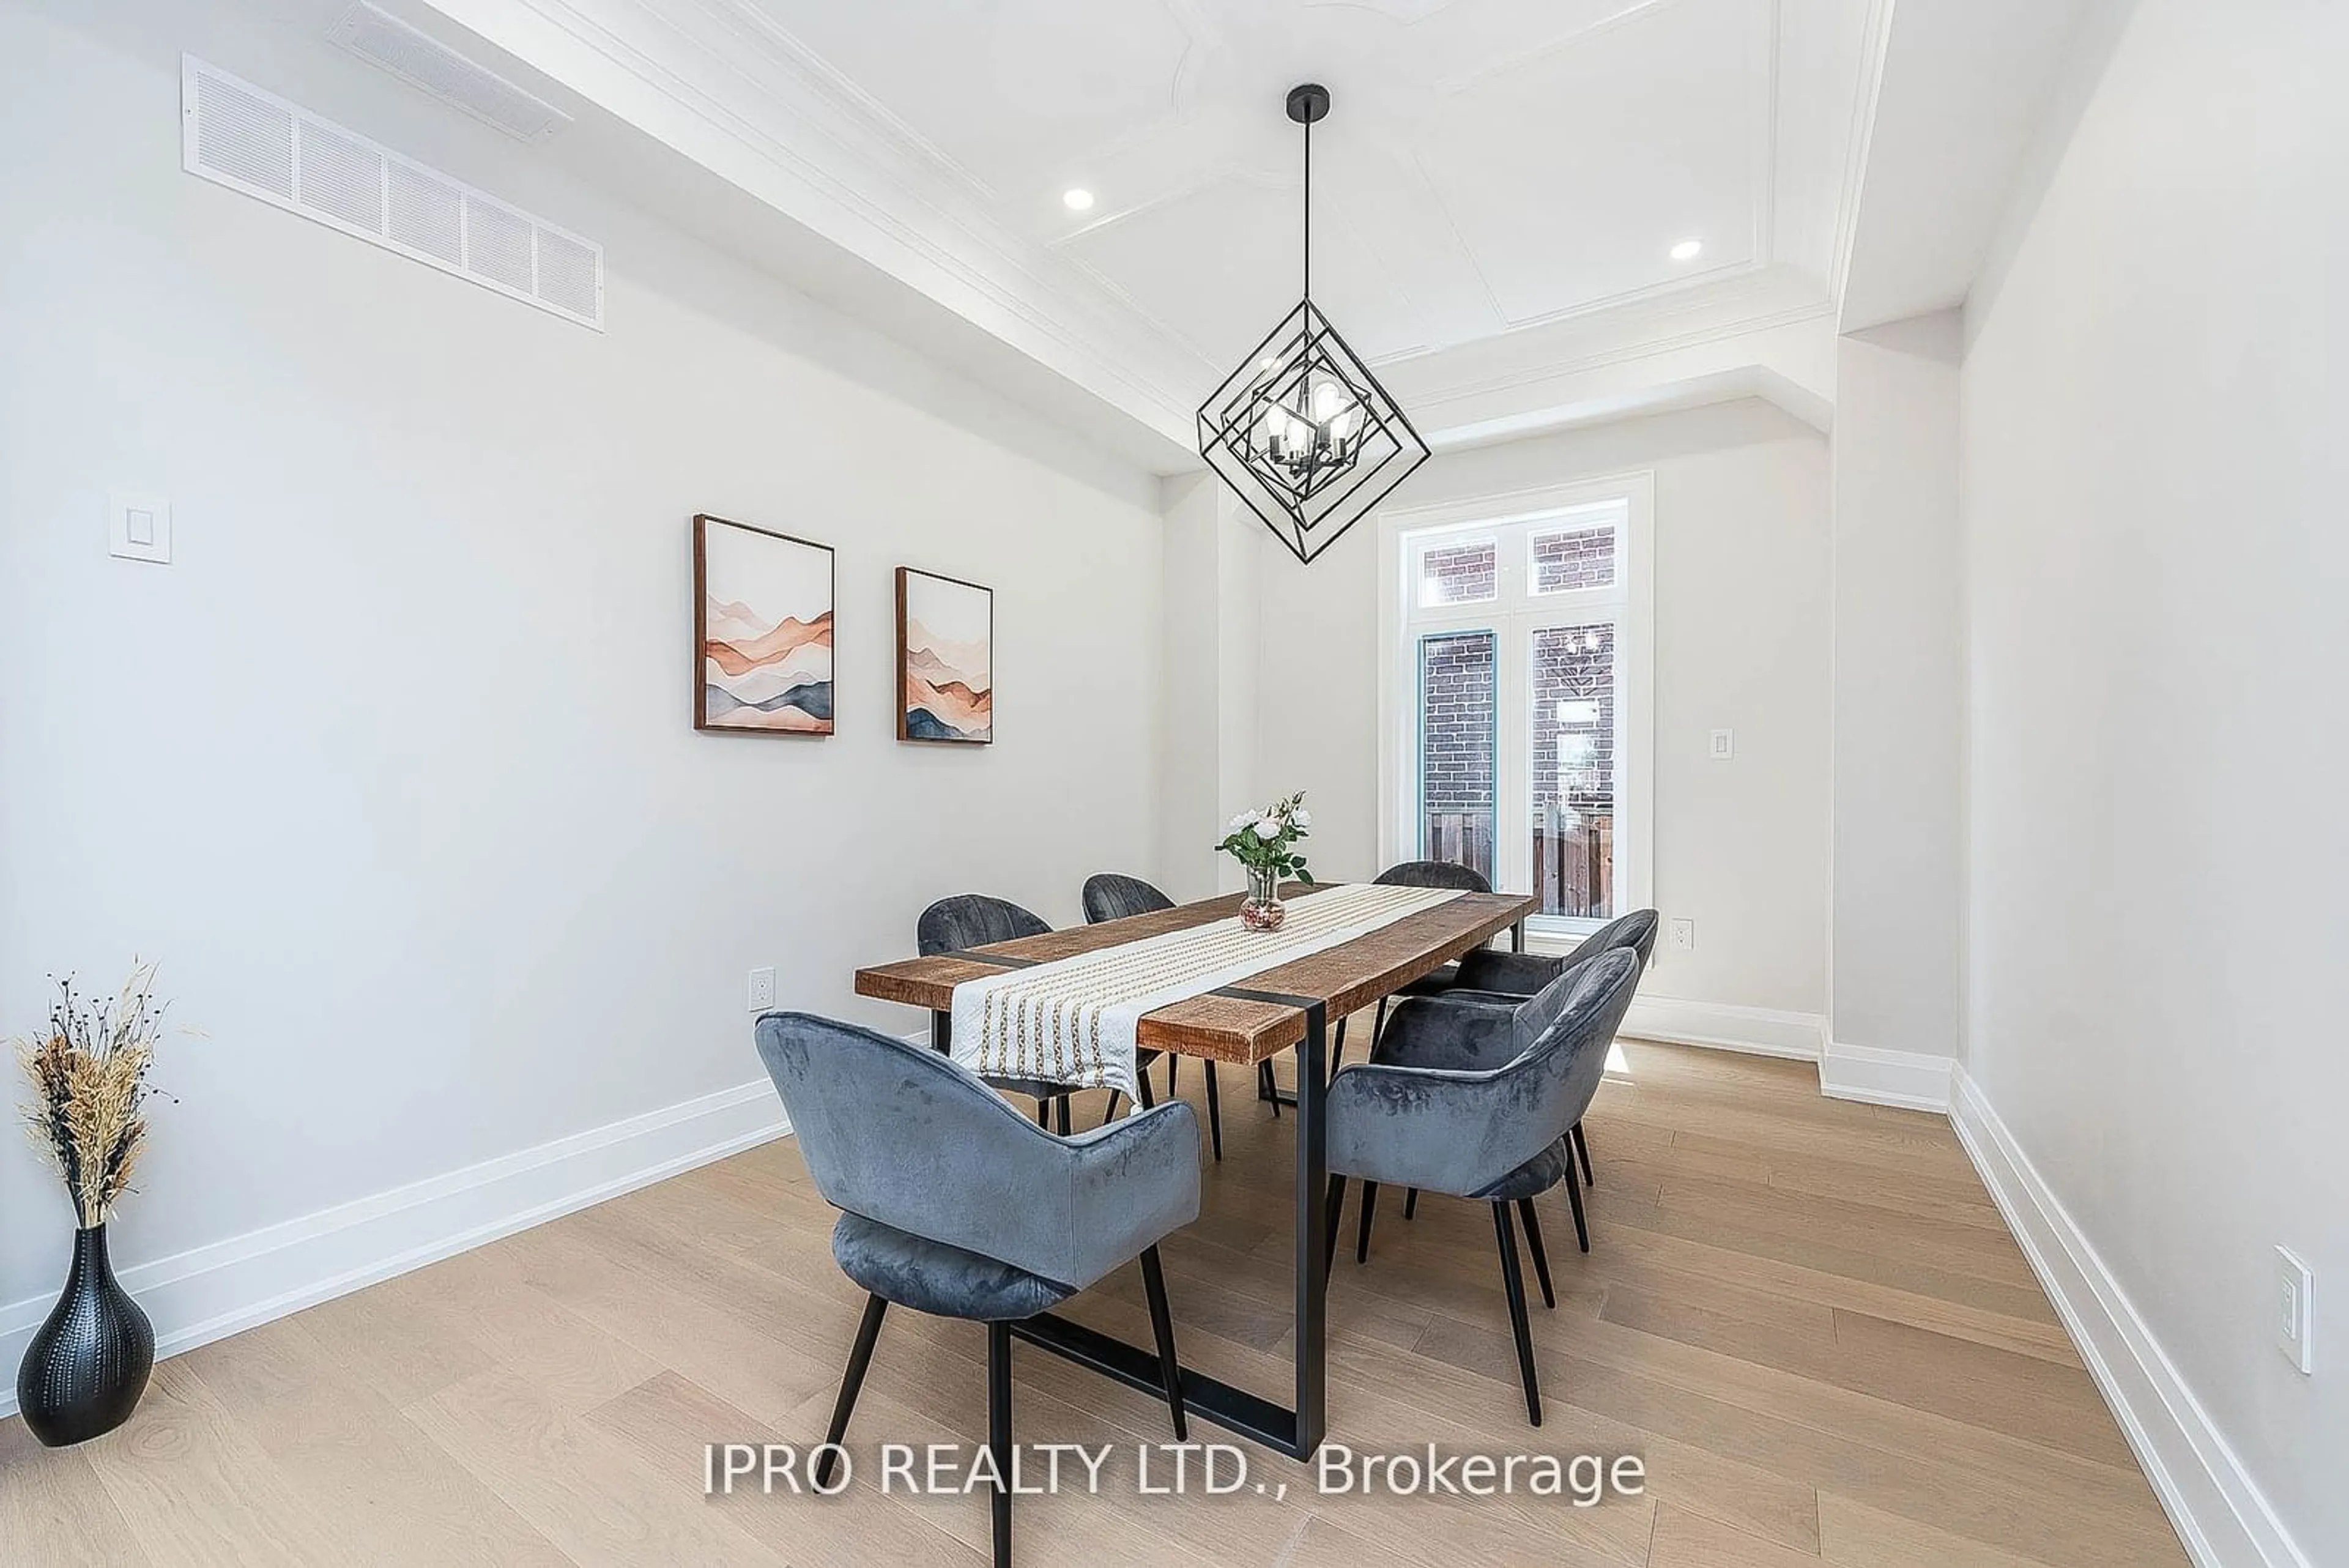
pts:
pixel 235 134
pixel 423 61
pixel 245 135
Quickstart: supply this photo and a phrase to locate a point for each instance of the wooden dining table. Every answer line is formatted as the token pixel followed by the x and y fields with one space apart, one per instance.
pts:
pixel 1290 1004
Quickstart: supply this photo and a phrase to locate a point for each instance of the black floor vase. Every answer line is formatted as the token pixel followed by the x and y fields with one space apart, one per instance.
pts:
pixel 87 1365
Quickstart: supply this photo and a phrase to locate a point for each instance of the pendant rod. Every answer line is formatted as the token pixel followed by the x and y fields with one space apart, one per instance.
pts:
pixel 1309 209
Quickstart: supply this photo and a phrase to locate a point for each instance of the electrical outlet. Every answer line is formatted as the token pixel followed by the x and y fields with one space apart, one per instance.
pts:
pixel 1685 935
pixel 2295 1306
pixel 762 990
pixel 1723 745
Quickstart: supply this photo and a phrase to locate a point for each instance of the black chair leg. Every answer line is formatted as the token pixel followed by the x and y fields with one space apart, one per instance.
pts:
pixel 1362 1236
pixel 1109 1112
pixel 1329 1225
pixel 1214 1115
pixel 1581 1226
pixel 1411 1203
pixel 1534 1245
pixel 1267 1085
pixel 1582 1153
pixel 1513 1281
pixel 860 1356
pixel 1064 1115
pixel 1162 1324
pixel 1379 1021
pixel 1044 1115
pixel 1173 1061
pixel 1142 1090
pixel 1337 1048
pixel 999 1433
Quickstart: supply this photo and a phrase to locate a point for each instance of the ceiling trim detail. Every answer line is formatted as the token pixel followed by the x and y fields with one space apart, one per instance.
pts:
pixel 738 86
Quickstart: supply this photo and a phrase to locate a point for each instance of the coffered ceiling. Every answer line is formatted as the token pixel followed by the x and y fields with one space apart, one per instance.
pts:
pixel 1497 192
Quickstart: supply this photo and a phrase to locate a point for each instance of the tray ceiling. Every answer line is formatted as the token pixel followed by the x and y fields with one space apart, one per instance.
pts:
pixel 1501 183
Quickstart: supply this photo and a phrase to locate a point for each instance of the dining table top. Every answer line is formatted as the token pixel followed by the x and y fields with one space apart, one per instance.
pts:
pixel 1220 1025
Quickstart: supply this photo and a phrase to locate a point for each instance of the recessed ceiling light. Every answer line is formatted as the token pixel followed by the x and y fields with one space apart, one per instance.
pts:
pixel 1687 250
pixel 1077 200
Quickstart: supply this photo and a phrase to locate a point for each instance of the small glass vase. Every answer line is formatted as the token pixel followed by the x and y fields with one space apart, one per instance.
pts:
pixel 1261 911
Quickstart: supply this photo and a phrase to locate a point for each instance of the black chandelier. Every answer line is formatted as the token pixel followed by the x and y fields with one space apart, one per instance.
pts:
pixel 1302 432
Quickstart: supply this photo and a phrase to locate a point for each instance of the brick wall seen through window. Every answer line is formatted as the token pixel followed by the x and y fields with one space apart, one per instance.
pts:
pixel 1578 559
pixel 1573 765
pixel 1457 574
pixel 1456 761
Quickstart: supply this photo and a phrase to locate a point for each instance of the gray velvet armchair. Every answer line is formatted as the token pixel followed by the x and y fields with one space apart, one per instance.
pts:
pixel 954 1203
pixel 1501 979
pixel 1407 874
pixel 1522 974
pixel 1476 1102
pixel 977 920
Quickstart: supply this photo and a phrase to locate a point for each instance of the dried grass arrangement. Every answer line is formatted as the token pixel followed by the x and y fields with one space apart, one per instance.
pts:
pixel 89 1069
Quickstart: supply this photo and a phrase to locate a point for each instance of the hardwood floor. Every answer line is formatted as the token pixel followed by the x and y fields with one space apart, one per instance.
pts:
pixel 1804 1315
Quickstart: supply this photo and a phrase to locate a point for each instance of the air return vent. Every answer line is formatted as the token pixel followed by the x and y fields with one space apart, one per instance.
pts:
pixel 235 134
pixel 423 61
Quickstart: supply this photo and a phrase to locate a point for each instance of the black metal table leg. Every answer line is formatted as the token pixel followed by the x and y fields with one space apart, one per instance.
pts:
pixel 1517 937
pixel 941 1031
pixel 1312 1235
pixel 1295 1430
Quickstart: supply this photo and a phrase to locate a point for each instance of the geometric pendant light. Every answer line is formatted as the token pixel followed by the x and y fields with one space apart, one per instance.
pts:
pixel 1302 432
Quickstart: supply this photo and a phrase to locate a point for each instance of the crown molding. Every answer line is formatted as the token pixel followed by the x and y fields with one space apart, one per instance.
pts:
pixel 814 157
pixel 724 83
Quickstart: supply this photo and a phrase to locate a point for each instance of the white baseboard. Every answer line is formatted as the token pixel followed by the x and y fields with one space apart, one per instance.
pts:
pixel 1755 1031
pixel 2216 1508
pixel 212 1292
pixel 1912 1080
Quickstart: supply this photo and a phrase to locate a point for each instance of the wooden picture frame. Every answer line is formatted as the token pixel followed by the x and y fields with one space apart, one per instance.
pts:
pixel 762 630
pixel 945 660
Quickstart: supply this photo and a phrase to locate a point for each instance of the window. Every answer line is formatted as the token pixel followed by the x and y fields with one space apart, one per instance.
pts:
pixel 1516 682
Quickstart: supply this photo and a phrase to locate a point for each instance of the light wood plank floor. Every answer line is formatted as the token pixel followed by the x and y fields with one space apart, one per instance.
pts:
pixel 1804 1315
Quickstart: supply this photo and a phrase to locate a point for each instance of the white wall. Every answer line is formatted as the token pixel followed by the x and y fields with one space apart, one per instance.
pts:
pixel 1207 746
pixel 394 770
pixel 1898 695
pixel 2153 479
pixel 1741 604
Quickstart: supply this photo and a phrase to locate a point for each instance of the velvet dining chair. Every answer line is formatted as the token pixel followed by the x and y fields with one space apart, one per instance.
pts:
pixel 1419 874
pixel 952 1203
pixel 1404 874
pixel 1112 896
pixel 1489 974
pixel 1450 1032
pixel 1470 1108
pixel 976 920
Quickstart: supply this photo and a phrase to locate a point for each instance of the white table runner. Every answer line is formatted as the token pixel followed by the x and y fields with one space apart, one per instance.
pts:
pixel 1072 1021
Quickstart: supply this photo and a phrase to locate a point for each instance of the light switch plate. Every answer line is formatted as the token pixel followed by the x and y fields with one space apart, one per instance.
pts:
pixel 139 528
pixel 762 989
pixel 2295 1309
pixel 1721 746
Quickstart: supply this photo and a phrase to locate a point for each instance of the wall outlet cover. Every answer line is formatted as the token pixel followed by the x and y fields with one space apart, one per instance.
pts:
pixel 1721 745
pixel 762 990
pixel 1683 936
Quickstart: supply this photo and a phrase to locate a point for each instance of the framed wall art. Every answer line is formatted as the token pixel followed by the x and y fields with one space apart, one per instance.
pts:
pixel 946 659
pixel 762 606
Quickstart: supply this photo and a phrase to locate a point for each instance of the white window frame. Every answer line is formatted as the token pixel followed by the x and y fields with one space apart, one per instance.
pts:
pixel 1514 614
